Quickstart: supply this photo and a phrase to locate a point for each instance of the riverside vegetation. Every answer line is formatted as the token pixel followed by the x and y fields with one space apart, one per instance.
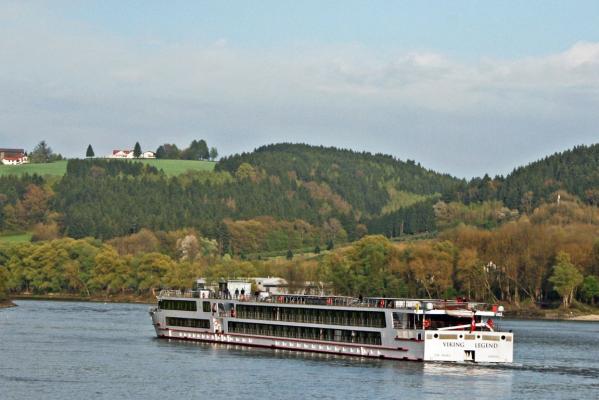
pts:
pixel 115 227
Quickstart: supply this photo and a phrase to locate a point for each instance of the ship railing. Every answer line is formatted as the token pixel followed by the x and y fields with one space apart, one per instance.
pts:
pixel 340 301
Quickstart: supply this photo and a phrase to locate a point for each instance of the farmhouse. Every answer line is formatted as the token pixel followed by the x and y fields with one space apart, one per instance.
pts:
pixel 13 156
pixel 128 154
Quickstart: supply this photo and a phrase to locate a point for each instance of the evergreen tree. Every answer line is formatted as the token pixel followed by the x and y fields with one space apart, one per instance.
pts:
pixel 317 249
pixel 42 153
pixel 137 150
pixel 160 152
pixel 289 254
pixel 330 244
pixel 90 152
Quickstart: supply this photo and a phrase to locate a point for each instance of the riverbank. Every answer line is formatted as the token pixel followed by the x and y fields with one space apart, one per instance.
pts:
pixel 587 313
pixel 578 312
pixel 7 304
pixel 117 298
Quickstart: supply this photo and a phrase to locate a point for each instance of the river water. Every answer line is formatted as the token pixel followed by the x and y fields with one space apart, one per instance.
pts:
pixel 71 350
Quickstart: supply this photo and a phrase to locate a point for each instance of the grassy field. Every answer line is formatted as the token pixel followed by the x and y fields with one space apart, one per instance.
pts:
pixel 57 168
pixel 19 238
pixel 170 167
pixel 177 167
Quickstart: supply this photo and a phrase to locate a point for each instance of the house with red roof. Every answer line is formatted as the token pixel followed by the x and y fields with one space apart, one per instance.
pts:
pixel 128 154
pixel 13 156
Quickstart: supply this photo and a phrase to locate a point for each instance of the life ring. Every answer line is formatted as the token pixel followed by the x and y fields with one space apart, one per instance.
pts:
pixel 382 303
pixel 426 323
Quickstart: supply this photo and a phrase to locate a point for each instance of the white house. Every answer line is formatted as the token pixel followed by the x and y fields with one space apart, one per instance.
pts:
pixel 121 154
pixel 128 154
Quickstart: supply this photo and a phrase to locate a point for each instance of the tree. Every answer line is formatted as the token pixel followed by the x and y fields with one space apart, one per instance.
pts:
pixel 137 150
pixel 213 153
pixel 42 153
pixel 3 283
pixel 330 245
pixel 317 249
pixel 90 152
pixel 203 149
pixel 160 152
pixel 566 278
pixel 197 150
pixel 590 289
pixel 171 151
pixel 289 254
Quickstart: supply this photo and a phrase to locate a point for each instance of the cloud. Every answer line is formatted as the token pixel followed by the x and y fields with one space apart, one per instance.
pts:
pixel 73 85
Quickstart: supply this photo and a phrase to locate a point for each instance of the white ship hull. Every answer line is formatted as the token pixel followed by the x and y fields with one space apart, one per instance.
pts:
pixel 392 342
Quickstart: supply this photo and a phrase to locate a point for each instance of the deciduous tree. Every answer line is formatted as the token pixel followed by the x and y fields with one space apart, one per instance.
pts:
pixel 566 278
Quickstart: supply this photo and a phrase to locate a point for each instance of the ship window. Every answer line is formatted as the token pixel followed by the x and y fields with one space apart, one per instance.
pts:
pixel 206 306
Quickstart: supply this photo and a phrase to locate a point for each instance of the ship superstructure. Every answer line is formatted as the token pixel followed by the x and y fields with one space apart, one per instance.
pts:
pixel 402 329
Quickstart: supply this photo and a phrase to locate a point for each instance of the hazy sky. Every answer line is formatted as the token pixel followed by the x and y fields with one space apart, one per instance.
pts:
pixel 464 87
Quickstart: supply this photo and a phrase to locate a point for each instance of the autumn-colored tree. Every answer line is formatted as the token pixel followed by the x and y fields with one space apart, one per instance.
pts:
pixel 47 231
pixel 151 270
pixel 110 272
pixel 33 208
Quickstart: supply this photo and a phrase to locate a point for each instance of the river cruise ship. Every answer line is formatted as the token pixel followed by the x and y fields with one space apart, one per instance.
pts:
pixel 389 328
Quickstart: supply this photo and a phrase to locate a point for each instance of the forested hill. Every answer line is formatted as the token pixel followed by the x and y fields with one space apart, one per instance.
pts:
pixel 282 196
pixel 575 171
pixel 309 195
pixel 372 184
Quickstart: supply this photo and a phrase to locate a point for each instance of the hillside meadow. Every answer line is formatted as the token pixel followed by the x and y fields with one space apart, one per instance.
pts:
pixel 59 168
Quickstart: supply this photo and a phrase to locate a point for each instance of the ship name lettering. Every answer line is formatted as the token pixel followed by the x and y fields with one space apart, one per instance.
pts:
pixel 486 345
pixel 453 344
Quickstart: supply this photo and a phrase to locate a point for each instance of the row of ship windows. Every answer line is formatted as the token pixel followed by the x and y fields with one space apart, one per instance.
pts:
pixel 312 315
pixel 188 322
pixel 302 332
pixel 178 305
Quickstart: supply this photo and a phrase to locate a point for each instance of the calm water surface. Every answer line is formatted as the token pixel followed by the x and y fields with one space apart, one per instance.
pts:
pixel 67 350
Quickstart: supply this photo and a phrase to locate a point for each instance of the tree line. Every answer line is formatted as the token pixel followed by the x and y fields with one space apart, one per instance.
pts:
pixel 197 150
pixel 523 262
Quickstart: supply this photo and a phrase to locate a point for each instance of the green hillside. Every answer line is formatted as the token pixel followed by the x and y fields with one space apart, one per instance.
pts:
pixel 288 193
pixel 58 168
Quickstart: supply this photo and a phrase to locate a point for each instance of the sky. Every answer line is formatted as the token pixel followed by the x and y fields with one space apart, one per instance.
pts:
pixel 463 87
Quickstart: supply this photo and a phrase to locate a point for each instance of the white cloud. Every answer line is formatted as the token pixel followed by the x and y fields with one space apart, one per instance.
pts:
pixel 72 85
